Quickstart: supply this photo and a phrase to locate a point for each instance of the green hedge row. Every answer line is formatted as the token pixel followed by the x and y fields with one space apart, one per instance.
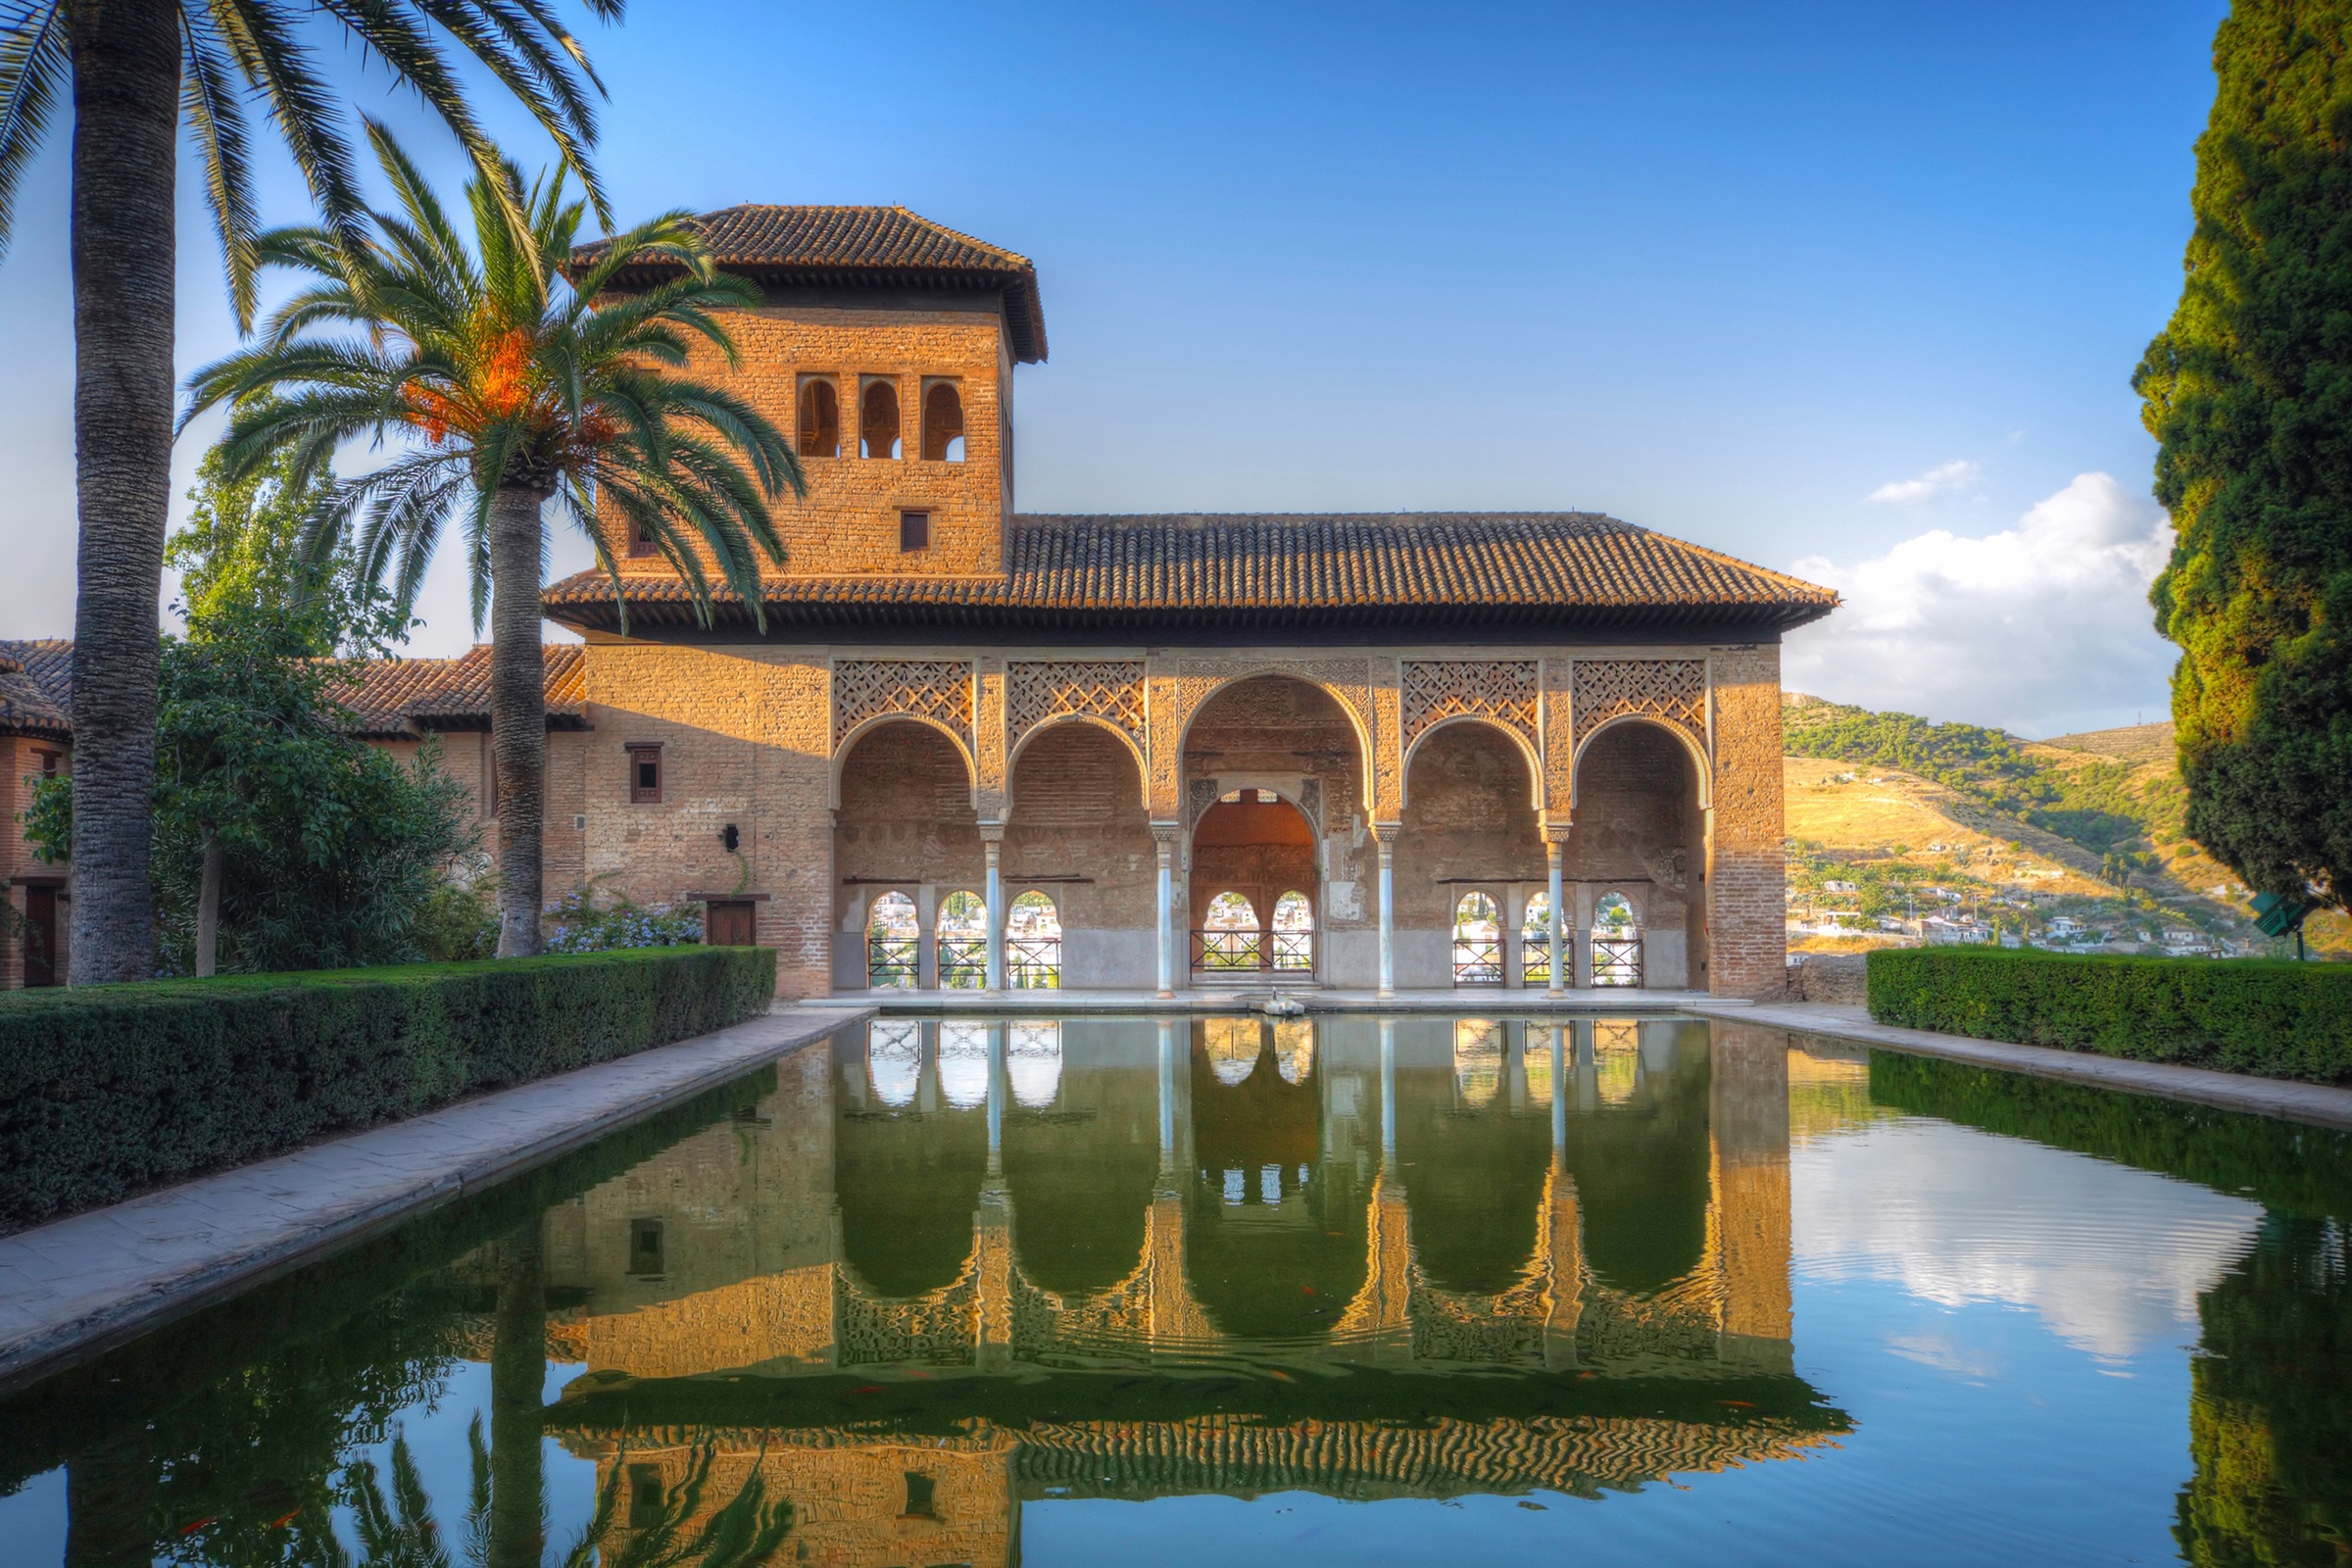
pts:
pixel 108 1089
pixel 2270 1018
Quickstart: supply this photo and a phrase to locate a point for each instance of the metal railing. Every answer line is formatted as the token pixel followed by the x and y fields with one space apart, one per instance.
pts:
pixel 1229 952
pixel 1477 960
pixel 963 963
pixel 892 961
pixel 1616 961
pixel 1254 951
pixel 1534 957
pixel 1033 964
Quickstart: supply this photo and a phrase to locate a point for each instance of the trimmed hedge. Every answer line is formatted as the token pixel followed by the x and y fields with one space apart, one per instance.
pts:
pixel 2270 1018
pixel 106 1090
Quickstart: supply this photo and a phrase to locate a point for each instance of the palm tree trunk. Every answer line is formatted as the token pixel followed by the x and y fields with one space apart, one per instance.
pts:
pixel 126 126
pixel 518 714
pixel 517 1417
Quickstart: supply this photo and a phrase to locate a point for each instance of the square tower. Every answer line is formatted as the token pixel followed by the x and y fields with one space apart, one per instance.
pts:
pixel 883 347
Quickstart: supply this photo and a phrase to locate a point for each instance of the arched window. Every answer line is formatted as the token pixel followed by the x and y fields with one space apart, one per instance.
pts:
pixel 1294 932
pixel 1033 943
pixel 893 941
pixel 1535 941
pixel 1536 1056
pixel 1477 940
pixel 962 941
pixel 1229 937
pixel 943 422
pixel 1032 1061
pixel 1477 1061
pixel 1617 1055
pixel 1616 942
pixel 963 1065
pixel 878 420
pixel 894 1059
pixel 820 418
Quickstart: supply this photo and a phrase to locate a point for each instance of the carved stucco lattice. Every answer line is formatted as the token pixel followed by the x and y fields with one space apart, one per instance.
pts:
pixel 936 688
pixel 1108 689
pixel 1670 690
pixel 1201 795
pixel 1434 690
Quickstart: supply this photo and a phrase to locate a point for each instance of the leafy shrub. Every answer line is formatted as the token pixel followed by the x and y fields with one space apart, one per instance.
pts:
pixel 578 923
pixel 2250 1016
pixel 108 1089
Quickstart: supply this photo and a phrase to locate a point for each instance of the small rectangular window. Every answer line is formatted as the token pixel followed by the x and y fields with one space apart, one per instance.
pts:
pixel 641 543
pixel 915 531
pixel 645 1247
pixel 48 763
pixel 922 1497
pixel 645 773
pixel 645 1496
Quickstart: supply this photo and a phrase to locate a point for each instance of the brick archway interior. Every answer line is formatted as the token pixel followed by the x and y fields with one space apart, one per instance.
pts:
pixel 1639 830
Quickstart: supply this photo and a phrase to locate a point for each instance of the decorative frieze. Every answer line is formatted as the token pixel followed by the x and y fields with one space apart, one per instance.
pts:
pixel 1432 691
pixel 937 689
pixel 1107 689
pixel 1673 691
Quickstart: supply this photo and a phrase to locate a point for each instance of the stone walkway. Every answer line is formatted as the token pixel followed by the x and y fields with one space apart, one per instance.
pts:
pixel 2318 1104
pixel 82 1286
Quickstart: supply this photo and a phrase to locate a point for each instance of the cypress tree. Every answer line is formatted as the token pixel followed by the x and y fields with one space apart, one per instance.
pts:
pixel 2248 392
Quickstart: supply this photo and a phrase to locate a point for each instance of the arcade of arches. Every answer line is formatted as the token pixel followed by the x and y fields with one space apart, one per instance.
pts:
pixel 997 1201
pixel 1260 849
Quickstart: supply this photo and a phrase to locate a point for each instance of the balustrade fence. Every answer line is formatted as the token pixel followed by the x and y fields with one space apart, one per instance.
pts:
pixel 1254 951
pixel 1616 961
pixel 892 961
pixel 1033 964
pixel 963 963
pixel 1535 957
pixel 1477 960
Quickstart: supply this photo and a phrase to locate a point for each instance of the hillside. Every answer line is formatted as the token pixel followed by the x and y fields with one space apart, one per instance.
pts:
pixel 2081 828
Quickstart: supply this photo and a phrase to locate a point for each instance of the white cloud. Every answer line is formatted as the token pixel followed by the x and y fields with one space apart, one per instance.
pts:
pixel 1942 480
pixel 1957 1216
pixel 2041 628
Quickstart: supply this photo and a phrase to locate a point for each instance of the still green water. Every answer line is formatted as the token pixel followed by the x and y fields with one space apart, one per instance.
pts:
pixel 1191 1290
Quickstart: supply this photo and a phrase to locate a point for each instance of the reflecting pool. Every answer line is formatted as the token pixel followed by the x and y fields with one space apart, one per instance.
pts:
pixel 1236 1290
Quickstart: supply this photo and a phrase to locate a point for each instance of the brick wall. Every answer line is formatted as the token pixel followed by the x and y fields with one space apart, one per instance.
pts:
pixel 1746 874
pixel 849 522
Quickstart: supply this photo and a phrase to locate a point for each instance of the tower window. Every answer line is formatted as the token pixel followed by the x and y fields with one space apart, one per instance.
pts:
pixel 915 531
pixel 922 1501
pixel 878 418
pixel 645 773
pixel 943 422
pixel 641 542
pixel 820 418
pixel 645 1247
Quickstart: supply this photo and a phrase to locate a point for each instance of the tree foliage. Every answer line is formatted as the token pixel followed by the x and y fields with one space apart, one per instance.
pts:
pixel 2248 391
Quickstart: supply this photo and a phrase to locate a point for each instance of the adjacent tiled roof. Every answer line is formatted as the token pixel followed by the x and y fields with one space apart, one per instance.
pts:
pixel 1275 574
pixel 37 688
pixel 399 697
pixel 393 699
pixel 863 246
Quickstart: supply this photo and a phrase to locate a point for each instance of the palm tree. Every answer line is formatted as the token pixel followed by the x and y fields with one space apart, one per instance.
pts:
pixel 131 69
pixel 514 388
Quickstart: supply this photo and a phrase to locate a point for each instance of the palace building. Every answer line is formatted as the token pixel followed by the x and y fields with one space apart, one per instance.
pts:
pixel 963 745
pixel 973 746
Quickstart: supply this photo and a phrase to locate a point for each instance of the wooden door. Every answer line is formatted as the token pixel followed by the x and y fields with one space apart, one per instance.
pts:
pixel 40 936
pixel 728 923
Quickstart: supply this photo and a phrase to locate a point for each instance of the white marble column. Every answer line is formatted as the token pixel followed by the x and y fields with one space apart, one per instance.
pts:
pixel 1165 844
pixel 1388 915
pixel 1552 855
pixel 991 844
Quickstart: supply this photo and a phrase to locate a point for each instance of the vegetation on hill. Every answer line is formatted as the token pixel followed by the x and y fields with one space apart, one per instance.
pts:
pixel 2094 804
pixel 2248 390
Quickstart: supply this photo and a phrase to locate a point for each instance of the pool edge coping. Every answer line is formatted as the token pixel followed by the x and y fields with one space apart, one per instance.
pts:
pixel 345 1191
pixel 2286 1099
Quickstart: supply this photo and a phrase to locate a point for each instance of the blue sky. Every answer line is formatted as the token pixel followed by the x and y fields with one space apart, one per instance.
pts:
pixel 1722 270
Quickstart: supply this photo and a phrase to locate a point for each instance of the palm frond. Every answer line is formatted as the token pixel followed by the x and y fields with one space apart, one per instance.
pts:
pixel 259 34
pixel 209 100
pixel 35 68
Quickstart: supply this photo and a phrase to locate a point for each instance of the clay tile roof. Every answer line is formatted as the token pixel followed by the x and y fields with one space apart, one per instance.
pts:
pixel 393 699
pixel 398 697
pixel 863 246
pixel 1561 571
pixel 37 688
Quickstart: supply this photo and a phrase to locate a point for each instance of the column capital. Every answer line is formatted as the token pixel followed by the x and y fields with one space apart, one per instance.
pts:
pixel 1556 833
pixel 992 834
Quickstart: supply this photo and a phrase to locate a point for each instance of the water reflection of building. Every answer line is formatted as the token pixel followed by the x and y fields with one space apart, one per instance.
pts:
pixel 1393 1198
